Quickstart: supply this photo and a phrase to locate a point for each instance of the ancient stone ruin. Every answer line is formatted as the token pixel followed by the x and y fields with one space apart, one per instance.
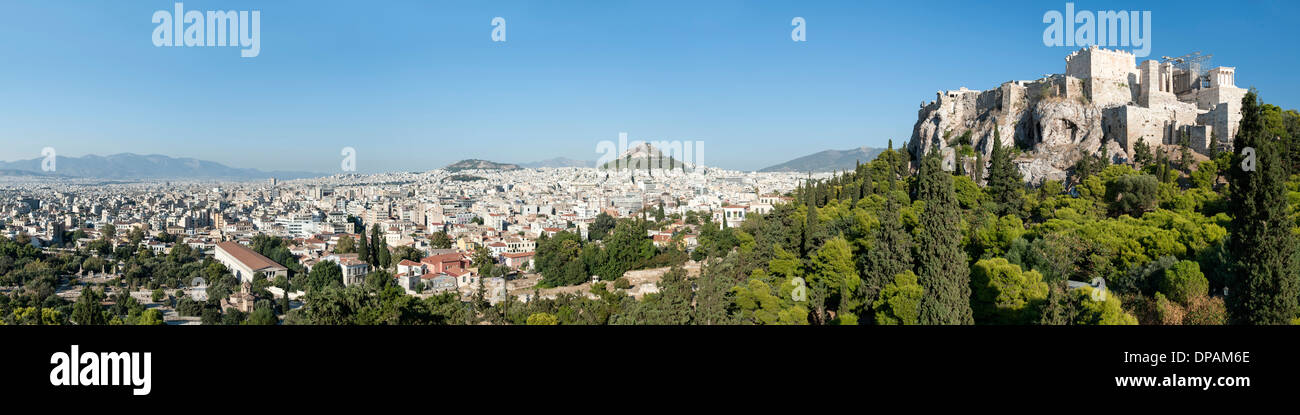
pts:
pixel 1103 100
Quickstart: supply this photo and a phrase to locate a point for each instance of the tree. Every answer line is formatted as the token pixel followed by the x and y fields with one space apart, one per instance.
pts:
pixel 346 245
pixel 1263 286
pixel 95 264
pixel 560 260
pixel 940 261
pixel 672 304
pixel 761 302
pixel 600 226
pixel 900 301
pixel 1184 282
pixel 834 280
pixel 408 253
pixel 210 316
pixel 262 315
pixel 1005 184
pixel 1142 154
pixel 378 281
pixel 483 260
pixel 1185 152
pixel 542 319
pixel 891 249
pixel 713 297
pixel 233 317
pixel 363 248
pixel 323 275
pixel 379 255
pixel 1099 311
pixel 187 307
pixel 86 311
pixel 1132 194
pixel 440 240
pixel 1005 295
pixel 150 317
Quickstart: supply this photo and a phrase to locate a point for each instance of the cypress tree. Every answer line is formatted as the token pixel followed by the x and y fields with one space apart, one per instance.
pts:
pixel 363 248
pixel 891 250
pixel 941 265
pixel 1005 184
pixel 374 242
pixel 1262 287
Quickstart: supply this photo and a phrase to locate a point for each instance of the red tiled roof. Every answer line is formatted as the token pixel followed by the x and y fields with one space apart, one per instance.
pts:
pixel 248 257
pixel 436 259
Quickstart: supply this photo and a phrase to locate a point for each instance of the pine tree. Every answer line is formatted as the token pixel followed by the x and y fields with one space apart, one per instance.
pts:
pixel 1263 287
pixel 1005 184
pixel 940 261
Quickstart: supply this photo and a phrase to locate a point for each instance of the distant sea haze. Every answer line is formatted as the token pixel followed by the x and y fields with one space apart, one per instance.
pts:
pixel 149 166
pixel 156 166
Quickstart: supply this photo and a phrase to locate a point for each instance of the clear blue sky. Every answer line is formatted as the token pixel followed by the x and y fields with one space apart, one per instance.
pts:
pixel 417 85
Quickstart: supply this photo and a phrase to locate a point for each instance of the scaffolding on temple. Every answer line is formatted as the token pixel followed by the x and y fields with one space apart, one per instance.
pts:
pixel 1192 63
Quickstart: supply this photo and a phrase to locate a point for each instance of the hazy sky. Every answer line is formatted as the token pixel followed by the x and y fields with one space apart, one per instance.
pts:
pixel 417 85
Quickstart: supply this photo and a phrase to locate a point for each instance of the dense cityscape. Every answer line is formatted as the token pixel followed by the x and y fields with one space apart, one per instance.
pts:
pixel 189 252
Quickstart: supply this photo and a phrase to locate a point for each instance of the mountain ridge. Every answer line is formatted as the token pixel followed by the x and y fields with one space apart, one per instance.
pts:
pixel 479 164
pixel 827 161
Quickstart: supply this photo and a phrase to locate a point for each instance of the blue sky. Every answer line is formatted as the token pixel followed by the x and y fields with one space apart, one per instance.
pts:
pixel 417 85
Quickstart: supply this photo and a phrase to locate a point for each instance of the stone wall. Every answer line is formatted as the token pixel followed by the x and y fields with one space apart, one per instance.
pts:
pixel 1095 62
pixel 1108 93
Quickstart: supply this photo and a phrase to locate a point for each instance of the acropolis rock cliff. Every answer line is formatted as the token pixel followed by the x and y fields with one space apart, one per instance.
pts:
pixel 1104 99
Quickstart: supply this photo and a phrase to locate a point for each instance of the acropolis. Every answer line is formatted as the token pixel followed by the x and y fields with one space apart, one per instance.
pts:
pixel 1104 98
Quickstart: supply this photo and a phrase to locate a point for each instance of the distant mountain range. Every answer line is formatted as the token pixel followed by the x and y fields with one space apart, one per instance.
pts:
pixel 828 161
pixel 476 164
pixel 559 162
pixel 148 166
pixel 21 173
